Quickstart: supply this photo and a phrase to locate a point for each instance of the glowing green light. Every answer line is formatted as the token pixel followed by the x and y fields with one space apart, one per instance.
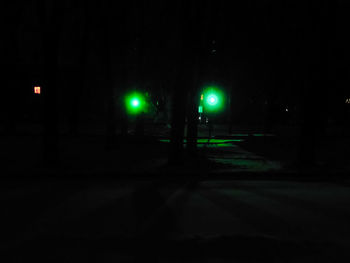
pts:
pixel 214 100
pixel 212 141
pixel 135 103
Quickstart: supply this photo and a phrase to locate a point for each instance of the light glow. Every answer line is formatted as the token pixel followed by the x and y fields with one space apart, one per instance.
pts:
pixel 135 103
pixel 214 100
pixel 37 90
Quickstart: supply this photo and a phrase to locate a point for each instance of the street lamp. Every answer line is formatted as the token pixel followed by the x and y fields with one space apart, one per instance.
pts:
pixel 135 103
pixel 213 100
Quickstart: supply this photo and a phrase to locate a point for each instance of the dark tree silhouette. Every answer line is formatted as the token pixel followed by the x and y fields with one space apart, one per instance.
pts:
pixel 195 36
pixel 50 16
pixel 182 82
pixel 81 72
pixel 12 20
pixel 318 23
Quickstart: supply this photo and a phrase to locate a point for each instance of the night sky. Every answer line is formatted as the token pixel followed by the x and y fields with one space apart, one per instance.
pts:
pixel 262 50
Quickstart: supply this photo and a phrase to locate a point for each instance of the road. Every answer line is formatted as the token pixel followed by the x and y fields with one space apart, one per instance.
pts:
pixel 175 221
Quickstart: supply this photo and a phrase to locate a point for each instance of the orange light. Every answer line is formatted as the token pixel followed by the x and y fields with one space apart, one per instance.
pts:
pixel 37 90
pixel 202 97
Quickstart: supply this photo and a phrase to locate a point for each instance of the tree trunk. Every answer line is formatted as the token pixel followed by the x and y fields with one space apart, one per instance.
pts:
pixel 317 73
pixel 110 101
pixel 51 27
pixel 178 124
pixel 183 81
pixel 81 72
pixel 192 125
pixel 10 105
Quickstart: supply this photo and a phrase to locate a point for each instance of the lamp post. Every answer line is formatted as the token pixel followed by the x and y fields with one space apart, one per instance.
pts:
pixel 136 106
pixel 212 102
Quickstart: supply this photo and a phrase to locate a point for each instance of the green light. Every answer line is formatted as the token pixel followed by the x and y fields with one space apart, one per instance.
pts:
pixel 212 141
pixel 135 103
pixel 214 100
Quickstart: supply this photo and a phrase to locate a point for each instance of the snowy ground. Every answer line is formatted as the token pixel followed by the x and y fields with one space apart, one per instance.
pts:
pixel 244 150
pixel 198 221
pixel 76 213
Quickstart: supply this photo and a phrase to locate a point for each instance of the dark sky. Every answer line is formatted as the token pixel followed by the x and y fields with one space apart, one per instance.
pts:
pixel 266 43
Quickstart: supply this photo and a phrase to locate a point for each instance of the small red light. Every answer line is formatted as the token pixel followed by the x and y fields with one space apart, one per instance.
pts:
pixel 37 90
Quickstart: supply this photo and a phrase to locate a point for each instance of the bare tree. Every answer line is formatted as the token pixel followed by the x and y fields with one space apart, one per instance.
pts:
pixel 85 29
pixel 181 83
pixel 319 19
pixel 13 19
pixel 50 16
pixel 114 60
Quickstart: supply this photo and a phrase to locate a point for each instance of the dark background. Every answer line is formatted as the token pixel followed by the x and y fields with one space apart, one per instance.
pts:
pixel 81 180
pixel 269 56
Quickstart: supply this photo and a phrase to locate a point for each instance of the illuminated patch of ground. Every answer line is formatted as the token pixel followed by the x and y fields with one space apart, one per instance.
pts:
pixel 228 155
pixel 212 142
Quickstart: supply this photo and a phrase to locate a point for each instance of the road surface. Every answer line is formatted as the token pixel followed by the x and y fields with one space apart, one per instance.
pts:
pixel 175 221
